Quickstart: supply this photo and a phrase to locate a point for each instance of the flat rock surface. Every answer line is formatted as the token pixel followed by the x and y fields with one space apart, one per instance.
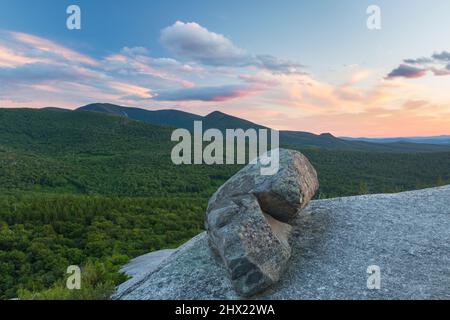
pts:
pixel 334 241
pixel 145 262
pixel 140 266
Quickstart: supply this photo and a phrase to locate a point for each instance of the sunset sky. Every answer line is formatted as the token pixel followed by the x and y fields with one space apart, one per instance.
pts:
pixel 298 65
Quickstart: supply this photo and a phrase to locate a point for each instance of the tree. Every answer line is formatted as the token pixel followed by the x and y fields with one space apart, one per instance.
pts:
pixel 440 182
pixel 362 189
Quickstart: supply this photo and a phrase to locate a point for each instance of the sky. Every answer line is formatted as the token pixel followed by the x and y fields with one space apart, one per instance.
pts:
pixel 290 64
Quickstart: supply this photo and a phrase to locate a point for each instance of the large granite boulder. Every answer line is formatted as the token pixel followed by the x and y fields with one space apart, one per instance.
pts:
pixel 281 195
pixel 247 220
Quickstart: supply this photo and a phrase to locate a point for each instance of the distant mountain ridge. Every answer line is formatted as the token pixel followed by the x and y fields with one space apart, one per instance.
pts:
pixel 444 139
pixel 222 121
pixel 160 117
pixel 175 118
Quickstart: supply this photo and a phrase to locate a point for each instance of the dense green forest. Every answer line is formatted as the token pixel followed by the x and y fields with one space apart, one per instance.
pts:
pixel 90 189
pixel 42 234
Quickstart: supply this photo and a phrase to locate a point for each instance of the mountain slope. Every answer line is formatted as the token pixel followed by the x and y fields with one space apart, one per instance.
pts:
pixel 173 118
pixel 223 121
pixel 296 139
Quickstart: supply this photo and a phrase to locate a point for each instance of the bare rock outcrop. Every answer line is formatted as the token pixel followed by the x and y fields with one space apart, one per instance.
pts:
pixel 248 220
pixel 260 243
pixel 333 242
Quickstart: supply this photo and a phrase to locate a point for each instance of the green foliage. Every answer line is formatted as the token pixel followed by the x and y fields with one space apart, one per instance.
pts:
pixel 42 234
pixel 440 182
pixel 363 187
pixel 347 173
pixel 93 153
pixel 98 281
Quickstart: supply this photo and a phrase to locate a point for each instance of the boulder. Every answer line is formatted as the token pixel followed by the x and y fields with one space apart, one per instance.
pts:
pixel 248 218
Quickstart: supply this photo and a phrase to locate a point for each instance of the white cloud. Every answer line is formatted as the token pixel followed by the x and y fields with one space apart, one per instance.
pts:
pixel 191 40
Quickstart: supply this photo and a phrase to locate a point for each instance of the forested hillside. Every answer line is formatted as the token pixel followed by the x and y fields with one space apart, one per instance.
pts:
pixel 93 189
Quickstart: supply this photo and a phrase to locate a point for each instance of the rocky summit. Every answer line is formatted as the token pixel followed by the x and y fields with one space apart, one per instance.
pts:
pixel 328 250
pixel 247 220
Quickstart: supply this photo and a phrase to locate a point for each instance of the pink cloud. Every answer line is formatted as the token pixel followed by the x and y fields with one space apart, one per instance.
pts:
pixel 52 48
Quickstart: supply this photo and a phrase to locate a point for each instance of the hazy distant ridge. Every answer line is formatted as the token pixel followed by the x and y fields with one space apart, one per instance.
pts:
pixel 445 139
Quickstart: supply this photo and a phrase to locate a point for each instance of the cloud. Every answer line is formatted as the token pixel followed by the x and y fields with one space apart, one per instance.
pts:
pixel 136 63
pixel 201 63
pixel 407 71
pixel 422 60
pixel 192 41
pixel 217 93
pixel 47 48
pixel 278 66
pixel 36 72
pixel 11 58
pixel 441 72
pixel 44 72
pixel 33 69
pixel 260 79
pixel 195 42
pixel 415 104
pixel 438 64
pixel 375 121
pixel 443 56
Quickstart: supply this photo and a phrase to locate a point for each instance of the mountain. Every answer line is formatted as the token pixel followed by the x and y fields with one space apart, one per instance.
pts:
pixel 223 121
pixel 175 118
pixel 297 139
pixel 427 140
